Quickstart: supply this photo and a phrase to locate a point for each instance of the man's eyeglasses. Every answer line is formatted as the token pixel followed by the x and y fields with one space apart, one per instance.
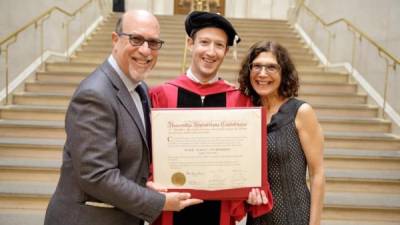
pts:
pixel 138 40
pixel 270 68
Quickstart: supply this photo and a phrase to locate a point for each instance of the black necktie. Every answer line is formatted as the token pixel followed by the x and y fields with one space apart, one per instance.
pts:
pixel 146 110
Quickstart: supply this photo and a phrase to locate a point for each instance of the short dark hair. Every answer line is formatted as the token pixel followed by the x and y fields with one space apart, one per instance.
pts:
pixel 198 20
pixel 289 78
pixel 194 32
pixel 118 26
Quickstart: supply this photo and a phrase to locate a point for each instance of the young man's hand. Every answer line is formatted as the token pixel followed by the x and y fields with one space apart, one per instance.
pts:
pixel 176 201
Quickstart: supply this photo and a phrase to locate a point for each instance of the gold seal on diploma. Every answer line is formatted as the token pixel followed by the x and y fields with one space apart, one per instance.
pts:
pixel 178 179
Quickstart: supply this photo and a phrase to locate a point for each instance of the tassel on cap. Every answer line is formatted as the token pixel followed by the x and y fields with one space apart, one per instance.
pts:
pixel 235 43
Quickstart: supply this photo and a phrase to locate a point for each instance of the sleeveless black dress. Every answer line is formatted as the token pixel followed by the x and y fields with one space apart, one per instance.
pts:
pixel 287 168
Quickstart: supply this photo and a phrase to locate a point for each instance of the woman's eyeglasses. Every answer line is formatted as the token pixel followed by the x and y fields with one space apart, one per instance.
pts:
pixel 270 68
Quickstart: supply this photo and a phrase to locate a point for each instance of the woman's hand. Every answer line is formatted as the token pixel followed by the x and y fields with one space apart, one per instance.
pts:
pixel 257 197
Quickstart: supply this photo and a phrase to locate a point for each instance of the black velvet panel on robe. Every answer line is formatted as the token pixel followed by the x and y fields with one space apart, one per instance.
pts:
pixel 187 99
pixel 207 213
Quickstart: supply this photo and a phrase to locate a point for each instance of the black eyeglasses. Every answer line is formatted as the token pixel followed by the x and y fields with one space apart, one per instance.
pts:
pixel 138 40
pixel 270 68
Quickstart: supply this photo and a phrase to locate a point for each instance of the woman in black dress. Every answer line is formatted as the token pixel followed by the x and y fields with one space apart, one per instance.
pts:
pixel 295 139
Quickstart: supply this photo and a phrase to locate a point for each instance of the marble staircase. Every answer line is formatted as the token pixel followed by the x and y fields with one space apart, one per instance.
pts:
pixel 362 155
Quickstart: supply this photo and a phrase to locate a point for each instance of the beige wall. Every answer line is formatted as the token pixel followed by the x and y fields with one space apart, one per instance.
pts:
pixel 261 9
pixel 17 13
pixel 159 7
pixel 379 20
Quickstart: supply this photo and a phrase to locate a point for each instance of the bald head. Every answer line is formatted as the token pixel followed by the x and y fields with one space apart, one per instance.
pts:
pixel 136 42
pixel 133 17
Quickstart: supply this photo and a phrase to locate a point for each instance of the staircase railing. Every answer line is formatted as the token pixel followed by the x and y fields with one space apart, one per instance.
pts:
pixel 390 59
pixel 105 8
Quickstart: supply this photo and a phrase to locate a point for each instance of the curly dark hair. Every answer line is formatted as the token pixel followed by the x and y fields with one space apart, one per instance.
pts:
pixel 290 81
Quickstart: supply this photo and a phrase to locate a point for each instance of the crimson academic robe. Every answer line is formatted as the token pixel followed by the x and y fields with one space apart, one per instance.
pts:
pixel 185 93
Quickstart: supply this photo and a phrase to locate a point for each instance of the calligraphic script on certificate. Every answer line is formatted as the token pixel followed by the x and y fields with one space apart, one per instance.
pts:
pixel 207 149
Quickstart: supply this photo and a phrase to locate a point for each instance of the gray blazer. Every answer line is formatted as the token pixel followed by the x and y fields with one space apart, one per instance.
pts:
pixel 106 158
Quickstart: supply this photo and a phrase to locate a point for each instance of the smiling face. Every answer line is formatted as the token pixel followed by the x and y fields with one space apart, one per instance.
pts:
pixel 136 61
pixel 209 48
pixel 265 84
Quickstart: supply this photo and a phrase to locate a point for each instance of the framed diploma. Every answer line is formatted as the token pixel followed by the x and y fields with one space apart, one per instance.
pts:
pixel 213 153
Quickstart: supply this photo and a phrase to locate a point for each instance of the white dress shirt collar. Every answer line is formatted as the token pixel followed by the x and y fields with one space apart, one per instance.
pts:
pixel 192 77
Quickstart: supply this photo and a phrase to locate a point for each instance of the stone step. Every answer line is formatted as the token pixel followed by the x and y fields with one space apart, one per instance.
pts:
pixel 240 27
pixel 354 124
pixel 22 112
pixel 346 110
pixel 50 148
pixel 257 22
pixel 289 44
pixel 27 169
pixel 97 57
pixel 40 99
pixel 61 76
pixel 57 99
pixel 93 54
pixel 100 50
pixel 360 207
pixel 10 146
pixel 333 98
pixel 171 33
pixel 158 76
pixel 362 159
pixel 338 179
pixel 334 155
pixel 24 195
pixel 51 86
pixel 32 128
pixel 168 19
pixel 176 57
pixel 37 112
pixel 70 86
pixel 32 148
pixel 361 140
pixel 296 53
pixel 229 73
pixel 231 62
pixel 165 71
pixel 377 181
pixel 235 21
pixel 178 50
pixel 338 205
pixel 321 86
pixel 55 129
pixel 18 217
pixel 357 222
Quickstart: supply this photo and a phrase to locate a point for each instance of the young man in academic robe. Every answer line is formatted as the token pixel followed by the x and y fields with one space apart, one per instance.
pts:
pixel 210 36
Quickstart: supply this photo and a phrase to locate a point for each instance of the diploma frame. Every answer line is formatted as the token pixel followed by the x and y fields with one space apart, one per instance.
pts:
pixel 239 193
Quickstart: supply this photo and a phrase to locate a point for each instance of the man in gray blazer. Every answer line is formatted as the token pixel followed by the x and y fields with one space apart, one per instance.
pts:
pixel 106 156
